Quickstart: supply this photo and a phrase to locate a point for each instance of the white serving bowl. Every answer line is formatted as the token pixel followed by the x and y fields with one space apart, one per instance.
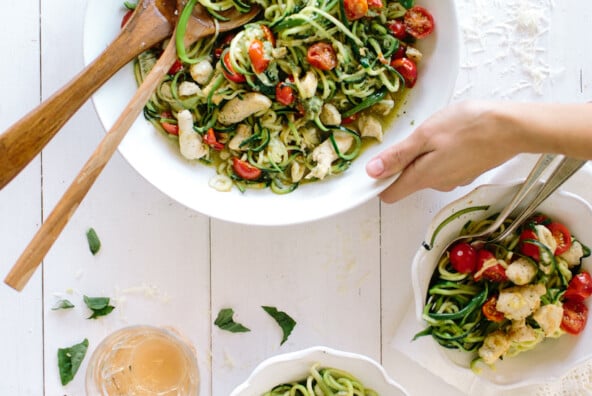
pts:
pixel 295 366
pixel 553 357
pixel 158 160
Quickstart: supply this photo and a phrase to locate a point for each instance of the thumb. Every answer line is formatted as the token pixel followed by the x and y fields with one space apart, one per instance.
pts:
pixel 393 159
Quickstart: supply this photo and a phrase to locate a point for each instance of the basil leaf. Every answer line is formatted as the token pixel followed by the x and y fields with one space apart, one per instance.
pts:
pixel 226 322
pixel 99 306
pixel 94 244
pixel 69 360
pixel 62 304
pixel 284 320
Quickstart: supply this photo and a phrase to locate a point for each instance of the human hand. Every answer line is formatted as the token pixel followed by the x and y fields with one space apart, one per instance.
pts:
pixel 449 149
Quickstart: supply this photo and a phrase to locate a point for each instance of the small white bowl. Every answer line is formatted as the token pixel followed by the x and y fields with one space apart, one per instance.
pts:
pixel 295 366
pixel 553 357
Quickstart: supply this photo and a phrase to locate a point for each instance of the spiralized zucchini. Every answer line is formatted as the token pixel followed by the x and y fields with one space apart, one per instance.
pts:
pixel 323 382
pixel 282 142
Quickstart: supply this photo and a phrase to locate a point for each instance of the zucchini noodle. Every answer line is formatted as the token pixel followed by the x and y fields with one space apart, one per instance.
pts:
pixel 323 382
pixel 274 116
pixel 457 310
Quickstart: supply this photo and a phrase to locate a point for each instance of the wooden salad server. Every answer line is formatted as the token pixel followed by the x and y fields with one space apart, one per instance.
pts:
pixel 200 25
pixel 151 22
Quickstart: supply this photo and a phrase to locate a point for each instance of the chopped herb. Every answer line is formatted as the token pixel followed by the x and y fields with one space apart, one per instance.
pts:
pixel 62 304
pixel 69 360
pixel 283 319
pixel 225 322
pixel 99 306
pixel 94 244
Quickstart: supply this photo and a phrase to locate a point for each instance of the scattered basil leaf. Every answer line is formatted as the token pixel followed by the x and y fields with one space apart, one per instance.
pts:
pixel 99 306
pixel 69 360
pixel 94 244
pixel 62 304
pixel 226 322
pixel 283 320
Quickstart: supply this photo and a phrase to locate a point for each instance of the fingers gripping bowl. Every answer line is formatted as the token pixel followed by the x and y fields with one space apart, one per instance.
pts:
pixel 541 358
pixel 157 157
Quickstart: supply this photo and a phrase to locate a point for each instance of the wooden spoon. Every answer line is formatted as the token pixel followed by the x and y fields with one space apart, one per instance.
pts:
pixel 200 25
pixel 151 22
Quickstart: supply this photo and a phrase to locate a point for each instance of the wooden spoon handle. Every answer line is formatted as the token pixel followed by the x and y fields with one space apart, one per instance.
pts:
pixel 51 228
pixel 27 137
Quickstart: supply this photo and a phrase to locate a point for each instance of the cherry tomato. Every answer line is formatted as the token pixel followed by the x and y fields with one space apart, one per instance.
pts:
pixel 397 28
pixel 463 258
pixel 226 39
pixel 268 34
pixel 529 249
pixel 284 93
pixel 407 69
pixel 493 273
pixel 350 119
pixel 419 23
pixel 211 140
pixel 561 235
pixel 229 72
pixel 538 219
pixel 374 4
pixel 172 129
pixel 257 56
pixel 245 170
pixel 400 52
pixel 490 311
pixel 355 9
pixel 322 56
pixel 575 315
pixel 126 17
pixel 580 287
pixel 175 68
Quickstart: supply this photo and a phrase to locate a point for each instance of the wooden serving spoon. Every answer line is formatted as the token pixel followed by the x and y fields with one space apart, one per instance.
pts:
pixel 200 25
pixel 151 22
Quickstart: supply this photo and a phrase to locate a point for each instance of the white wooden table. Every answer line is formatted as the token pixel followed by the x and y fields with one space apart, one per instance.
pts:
pixel 344 279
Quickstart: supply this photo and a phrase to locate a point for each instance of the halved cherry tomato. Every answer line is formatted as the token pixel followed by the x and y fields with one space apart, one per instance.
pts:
pixel 575 315
pixel 245 170
pixel 268 34
pixel 350 119
pixel 229 72
pixel 493 273
pixel 172 129
pixel 284 93
pixel 374 4
pixel 407 69
pixel 355 9
pixel 257 56
pixel 538 218
pixel 397 28
pixel 561 235
pixel 463 258
pixel 580 287
pixel 211 140
pixel 400 52
pixel 175 68
pixel 419 23
pixel 529 249
pixel 322 56
pixel 490 311
pixel 126 17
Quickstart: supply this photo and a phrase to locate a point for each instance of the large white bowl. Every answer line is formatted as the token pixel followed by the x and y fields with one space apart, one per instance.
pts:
pixel 158 160
pixel 295 366
pixel 553 357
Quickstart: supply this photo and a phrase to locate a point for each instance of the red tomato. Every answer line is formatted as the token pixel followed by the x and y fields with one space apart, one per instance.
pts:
pixel 211 140
pixel 374 3
pixel 580 287
pixel 229 72
pixel 490 311
pixel 126 17
pixel 350 119
pixel 172 129
pixel 400 52
pixel 463 258
pixel 355 9
pixel 575 315
pixel 284 94
pixel 561 235
pixel 257 56
pixel 494 273
pixel 538 219
pixel 407 69
pixel 322 56
pixel 268 34
pixel 419 22
pixel 397 28
pixel 245 170
pixel 175 68
pixel 529 249
pixel 227 38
